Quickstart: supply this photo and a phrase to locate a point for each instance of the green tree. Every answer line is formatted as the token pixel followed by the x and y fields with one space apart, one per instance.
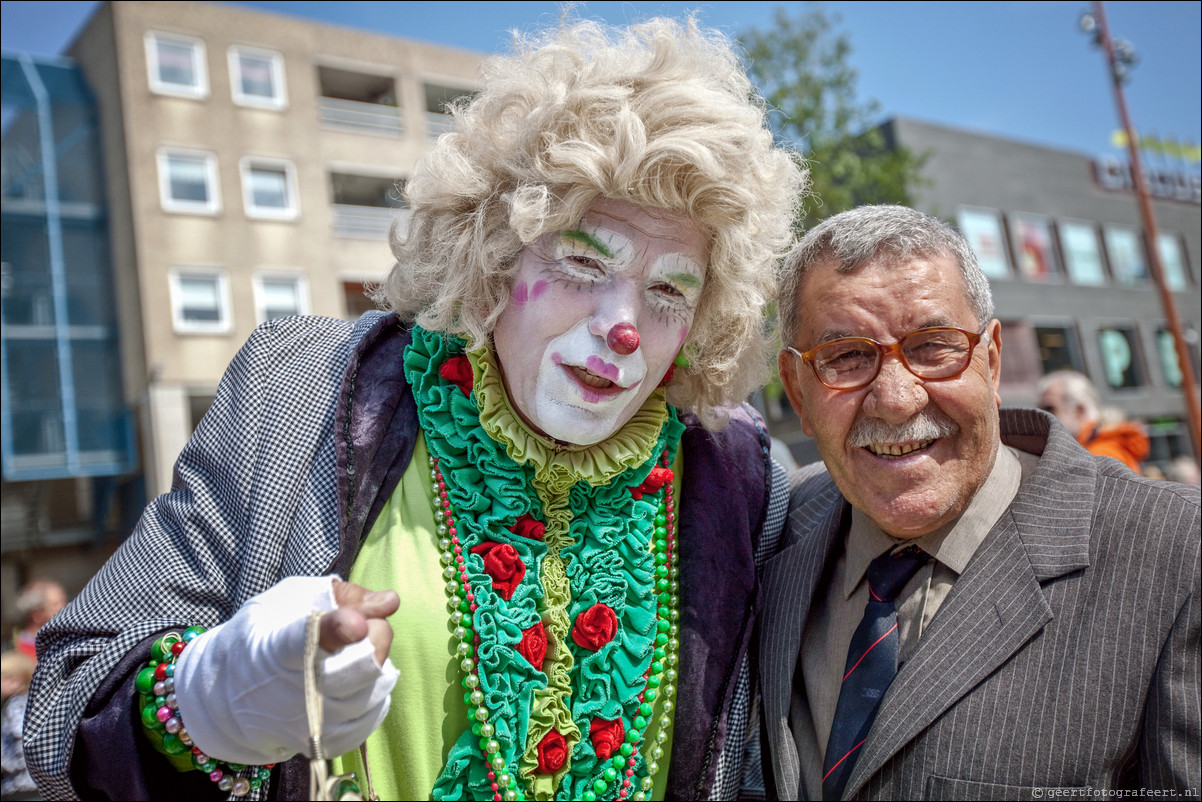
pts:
pixel 802 67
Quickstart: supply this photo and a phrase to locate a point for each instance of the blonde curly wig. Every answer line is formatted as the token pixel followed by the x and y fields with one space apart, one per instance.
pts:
pixel 660 114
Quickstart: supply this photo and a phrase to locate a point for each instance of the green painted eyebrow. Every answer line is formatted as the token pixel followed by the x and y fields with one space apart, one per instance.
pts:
pixel 685 280
pixel 585 238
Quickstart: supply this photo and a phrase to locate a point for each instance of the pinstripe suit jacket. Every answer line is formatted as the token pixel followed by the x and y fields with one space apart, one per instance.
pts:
pixel 1066 655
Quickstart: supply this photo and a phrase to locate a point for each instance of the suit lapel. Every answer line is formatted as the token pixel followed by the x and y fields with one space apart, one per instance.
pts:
pixel 994 608
pixel 790 580
pixel 998 604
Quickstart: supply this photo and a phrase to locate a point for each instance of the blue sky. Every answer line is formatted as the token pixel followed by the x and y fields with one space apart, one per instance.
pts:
pixel 1021 70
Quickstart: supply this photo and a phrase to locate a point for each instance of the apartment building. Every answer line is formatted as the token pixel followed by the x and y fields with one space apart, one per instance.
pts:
pixel 255 163
pixel 227 167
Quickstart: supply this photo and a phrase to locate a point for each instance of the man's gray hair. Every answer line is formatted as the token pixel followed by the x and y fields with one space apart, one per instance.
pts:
pixel 1076 389
pixel 865 233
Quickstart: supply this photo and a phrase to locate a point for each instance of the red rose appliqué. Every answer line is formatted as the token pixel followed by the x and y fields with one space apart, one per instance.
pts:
pixel 458 371
pixel 595 627
pixel 529 527
pixel 502 563
pixel 654 481
pixel 533 645
pixel 552 752
pixel 607 736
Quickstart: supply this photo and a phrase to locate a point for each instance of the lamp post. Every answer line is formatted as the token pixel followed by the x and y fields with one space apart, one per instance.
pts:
pixel 1120 57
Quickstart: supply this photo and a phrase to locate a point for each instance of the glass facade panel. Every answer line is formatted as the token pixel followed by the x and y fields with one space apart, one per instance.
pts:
pixel 188 178
pixel 1058 348
pixel 64 413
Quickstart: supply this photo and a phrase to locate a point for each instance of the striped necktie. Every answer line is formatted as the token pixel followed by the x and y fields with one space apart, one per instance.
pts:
pixel 871 666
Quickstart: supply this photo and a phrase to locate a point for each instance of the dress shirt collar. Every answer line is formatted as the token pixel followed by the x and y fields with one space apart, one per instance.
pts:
pixel 952 544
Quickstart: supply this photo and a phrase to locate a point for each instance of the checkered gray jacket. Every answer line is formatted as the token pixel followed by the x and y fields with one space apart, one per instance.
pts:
pixel 265 489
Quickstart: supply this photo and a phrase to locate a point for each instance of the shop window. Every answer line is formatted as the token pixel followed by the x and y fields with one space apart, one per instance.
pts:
pixel 1034 247
pixel 1125 249
pixel 257 77
pixel 1059 348
pixel 1166 350
pixel 176 65
pixel 280 295
pixel 200 301
pixel 1172 262
pixel 269 189
pixel 1121 365
pixel 1082 253
pixel 188 181
pixel 983 230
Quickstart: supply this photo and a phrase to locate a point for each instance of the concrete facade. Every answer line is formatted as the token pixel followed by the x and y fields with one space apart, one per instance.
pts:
pixel 347 108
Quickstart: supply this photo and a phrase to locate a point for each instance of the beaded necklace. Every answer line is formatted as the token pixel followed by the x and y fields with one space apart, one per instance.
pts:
pixel 601 555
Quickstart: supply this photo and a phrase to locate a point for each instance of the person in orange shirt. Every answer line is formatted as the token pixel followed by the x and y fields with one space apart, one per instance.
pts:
pixel 1073 399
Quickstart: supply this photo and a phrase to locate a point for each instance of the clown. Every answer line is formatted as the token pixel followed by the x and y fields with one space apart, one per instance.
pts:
pixel 533 472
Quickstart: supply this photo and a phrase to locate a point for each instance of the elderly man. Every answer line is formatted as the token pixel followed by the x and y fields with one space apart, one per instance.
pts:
pixel 966 603
pixel 1073 399
pixel 37 603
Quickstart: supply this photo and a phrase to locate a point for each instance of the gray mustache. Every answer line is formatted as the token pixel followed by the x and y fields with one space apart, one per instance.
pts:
pixel 926 425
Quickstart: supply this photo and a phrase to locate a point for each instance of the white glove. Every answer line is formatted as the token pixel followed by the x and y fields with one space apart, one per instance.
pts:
pixel 241 685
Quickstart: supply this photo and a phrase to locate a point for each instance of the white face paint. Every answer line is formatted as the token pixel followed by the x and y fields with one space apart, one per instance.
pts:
pixel 624 264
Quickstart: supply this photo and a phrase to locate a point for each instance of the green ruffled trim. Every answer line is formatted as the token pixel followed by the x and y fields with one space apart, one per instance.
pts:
pixel 560 467
pixel 598 540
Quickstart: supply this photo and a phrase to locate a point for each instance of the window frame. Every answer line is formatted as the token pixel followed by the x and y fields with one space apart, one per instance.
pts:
pixel 225 315
pixel 300 282
pixel 169 203
pixel 279 101
pixel 246 166
pixel 200 90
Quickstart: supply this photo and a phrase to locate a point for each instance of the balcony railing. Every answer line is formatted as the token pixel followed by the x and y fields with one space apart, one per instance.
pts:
pixel 366 222
pixel 367 118
pixel 438 124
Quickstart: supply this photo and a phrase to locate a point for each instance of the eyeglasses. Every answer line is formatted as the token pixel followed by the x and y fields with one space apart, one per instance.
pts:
pixel 935 354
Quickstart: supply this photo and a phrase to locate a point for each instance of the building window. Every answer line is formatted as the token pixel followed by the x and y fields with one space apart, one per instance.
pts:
pixel 1125 249
pixel 200 301
pixel 1172 262
pixel 1059 348
pixel 188 181
pixel 1034 247
pixel 280 295
pixel 1121 364
pixel 357 300
pixel 269 189
pixel 1082 253
pixel 176 65
pixel 367 206
pixel 257 78
pixel 1167 351
pixel 983 230
pixel 438 100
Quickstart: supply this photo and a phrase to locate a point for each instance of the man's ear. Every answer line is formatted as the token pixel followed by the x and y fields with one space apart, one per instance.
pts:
pixel 995 358
pixel 788 364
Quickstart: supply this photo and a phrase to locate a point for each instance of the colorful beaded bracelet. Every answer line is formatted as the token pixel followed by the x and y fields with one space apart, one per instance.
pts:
pixel 164 727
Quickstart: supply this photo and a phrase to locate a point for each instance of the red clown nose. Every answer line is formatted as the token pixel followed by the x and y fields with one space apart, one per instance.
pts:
pixel 623 339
